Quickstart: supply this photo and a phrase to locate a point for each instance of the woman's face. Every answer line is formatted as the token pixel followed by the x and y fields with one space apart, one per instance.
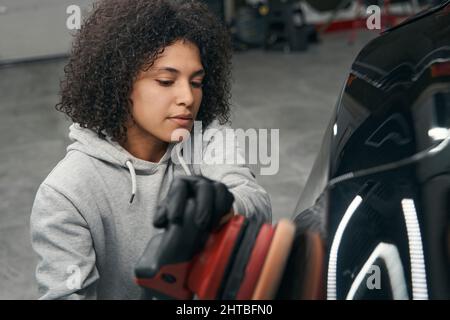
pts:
pixel 168 96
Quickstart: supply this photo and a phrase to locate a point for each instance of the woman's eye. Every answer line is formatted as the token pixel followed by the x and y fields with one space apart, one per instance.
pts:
pixel 165 83
pixel 197 84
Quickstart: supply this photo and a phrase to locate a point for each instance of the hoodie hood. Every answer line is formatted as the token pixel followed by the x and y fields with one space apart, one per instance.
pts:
pixel 87 142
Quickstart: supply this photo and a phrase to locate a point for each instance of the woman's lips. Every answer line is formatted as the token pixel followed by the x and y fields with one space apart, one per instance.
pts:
pixel 184 122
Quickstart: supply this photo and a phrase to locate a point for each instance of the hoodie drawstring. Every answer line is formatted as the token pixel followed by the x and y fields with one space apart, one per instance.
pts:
pixel 133 179
pixel 182 162
pixel 133 172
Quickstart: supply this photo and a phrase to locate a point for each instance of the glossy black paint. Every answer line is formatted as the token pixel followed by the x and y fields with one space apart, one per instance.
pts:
pixel 397 91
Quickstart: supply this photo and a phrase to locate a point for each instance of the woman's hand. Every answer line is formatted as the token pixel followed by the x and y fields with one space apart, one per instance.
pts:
pixel 206 202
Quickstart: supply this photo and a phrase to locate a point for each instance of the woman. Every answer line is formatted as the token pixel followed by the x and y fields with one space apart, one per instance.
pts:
pixel 139 71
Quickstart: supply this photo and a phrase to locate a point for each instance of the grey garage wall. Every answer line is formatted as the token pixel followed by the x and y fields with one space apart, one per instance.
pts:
pixel 35 28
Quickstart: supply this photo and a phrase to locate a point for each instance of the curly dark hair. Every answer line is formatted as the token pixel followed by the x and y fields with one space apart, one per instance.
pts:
pixel 122 37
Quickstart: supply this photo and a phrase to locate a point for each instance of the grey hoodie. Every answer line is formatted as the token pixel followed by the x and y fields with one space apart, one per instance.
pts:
pixel 92 216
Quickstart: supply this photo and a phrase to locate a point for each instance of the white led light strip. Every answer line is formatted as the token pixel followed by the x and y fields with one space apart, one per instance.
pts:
pixel 418 274
pixel 332 262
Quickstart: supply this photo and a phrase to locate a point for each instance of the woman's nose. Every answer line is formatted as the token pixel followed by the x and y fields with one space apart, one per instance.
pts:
pixel 185 95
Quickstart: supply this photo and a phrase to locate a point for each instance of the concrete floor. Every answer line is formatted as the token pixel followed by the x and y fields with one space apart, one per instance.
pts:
pixel 291 92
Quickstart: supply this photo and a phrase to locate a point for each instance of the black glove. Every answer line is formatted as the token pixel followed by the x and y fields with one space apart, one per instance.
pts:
pixel 205 200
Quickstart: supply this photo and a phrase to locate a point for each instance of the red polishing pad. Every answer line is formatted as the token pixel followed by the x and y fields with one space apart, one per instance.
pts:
pixel 208 266
pixel 276 260
pixel 313 284
pixel 256 262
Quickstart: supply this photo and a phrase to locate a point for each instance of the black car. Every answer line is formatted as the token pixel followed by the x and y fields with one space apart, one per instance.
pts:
pixel 381 183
